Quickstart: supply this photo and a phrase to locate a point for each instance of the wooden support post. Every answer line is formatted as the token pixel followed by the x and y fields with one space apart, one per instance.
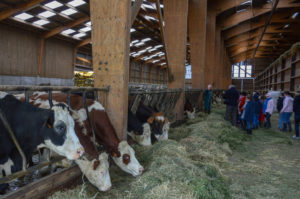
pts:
pixel 135 10
pixel 210 47
pixel 176 15
pixel 41 53
pixel 197 35
pixel 110 45
pixel 217 53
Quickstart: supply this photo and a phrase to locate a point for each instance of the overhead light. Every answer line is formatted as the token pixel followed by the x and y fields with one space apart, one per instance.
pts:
pixel 148 6
pixel 47 14
pixel 86 29
pixel 68 31
pixel 140 44
pixel 88 23
pixel 135 41
pixel 79 35
pixel 41 22
pixel 145 40
pixel 69 11
pixel 286 26
pixel 76 3
pixel 24 16
pixel 295 15
pixel 54 4
pixel 132 30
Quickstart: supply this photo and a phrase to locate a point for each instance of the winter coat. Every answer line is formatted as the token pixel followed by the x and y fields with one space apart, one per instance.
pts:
pixel 287 105
pixel 257 106
pixel 248 113
pixel 296 106
pixel 231 97
pixel 279 103
pixel 242 103
pixel 207 99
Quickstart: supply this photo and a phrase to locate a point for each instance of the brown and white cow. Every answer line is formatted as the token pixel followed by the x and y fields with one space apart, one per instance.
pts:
pixel 105 135
pixel 189 110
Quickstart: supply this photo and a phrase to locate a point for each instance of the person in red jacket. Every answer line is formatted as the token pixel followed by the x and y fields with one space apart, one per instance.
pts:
pixel 242 102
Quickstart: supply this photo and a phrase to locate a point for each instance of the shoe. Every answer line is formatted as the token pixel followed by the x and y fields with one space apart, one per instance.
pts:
pixel 249 132
pixel 296 137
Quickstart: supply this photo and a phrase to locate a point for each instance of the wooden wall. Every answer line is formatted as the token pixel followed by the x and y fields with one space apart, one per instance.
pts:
pixel 283 74
pixel 247 84
pixel 19 54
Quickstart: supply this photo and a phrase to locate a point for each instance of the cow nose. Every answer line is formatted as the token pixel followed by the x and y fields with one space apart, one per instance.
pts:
pixel 80 152
pixel 141 170
pixel 107 188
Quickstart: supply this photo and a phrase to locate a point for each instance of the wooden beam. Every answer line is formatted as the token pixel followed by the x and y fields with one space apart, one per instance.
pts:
pixel 237 18
pixel 163 38
pixel 135 10
pixel 41 54
pixel 222 6
pixel 197 36
pixel 176 19
pixel 59 29
pixel 110 44
pixel 23 6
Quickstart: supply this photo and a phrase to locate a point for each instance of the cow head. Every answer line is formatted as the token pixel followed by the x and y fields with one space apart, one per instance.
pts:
pixel 127 160
pixel 191 114
pixel 96 171
pixel 60 134
pixel 144 138
pixel 157 122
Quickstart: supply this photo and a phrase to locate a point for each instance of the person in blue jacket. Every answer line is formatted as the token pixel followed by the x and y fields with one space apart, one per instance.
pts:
pixel 257 109
pixel 248 113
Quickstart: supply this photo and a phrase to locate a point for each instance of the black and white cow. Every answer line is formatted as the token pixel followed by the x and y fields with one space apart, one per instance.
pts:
pixel 35 127
pixel 138 131
pixel 189 110
pixel 158 123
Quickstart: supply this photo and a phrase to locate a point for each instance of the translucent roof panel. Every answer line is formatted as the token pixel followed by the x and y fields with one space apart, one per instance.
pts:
pixel 76 3
pixel 47 14
pixel 53 4
pixel 41 22
pixel 23 16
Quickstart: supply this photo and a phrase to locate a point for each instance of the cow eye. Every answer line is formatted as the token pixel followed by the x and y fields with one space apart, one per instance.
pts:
pixel 60 128
pixel 126 159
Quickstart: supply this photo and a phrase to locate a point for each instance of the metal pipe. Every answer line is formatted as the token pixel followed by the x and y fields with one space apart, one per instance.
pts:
pixel 52 88
pixel 265 28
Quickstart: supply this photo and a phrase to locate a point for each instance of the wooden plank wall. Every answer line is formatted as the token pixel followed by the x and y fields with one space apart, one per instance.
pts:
pixel 19 54
pixel 281 76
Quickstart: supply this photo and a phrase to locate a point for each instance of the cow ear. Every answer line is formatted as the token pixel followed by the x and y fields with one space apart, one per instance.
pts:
pixel 96 164
pixel 166 120
pixel 150 120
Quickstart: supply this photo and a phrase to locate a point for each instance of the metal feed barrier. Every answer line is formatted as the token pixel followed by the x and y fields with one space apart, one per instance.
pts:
pixel 162 100
pixel 99 94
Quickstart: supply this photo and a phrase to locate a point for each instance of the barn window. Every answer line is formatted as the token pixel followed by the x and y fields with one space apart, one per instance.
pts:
pixel 188 72
pixel 241 70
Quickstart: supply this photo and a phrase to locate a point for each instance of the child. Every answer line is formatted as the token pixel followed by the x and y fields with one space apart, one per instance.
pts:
pixel 248 114
pixel 257 111
pixel 268 110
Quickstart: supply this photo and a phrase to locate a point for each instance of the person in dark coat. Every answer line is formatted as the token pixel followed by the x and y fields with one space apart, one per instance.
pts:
pixel 257 110
pixel 231 98
pixel 296 109
pixel 279 107
pixel 207 99
pixel 248 113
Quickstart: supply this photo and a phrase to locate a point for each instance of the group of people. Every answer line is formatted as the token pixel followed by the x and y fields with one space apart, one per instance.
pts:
pixel 254 111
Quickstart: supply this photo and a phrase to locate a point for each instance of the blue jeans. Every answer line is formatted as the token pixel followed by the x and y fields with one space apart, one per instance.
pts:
pixel 248 125
pixel 286 121
pixel 255 120
pixel 280 120
pixel 297 122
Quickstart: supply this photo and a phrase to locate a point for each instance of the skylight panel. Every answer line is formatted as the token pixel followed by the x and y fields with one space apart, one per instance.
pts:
pixel 24 16
pixel 79 35
pixel 41 22
pixel 132 30
pixel 286 26
pixel 88 23
pixel 163 64
pixel 146 39
pixel 155 61
pixel 69 11
pixel 158 46
pixel 150 18
pixel 47 14
pixel 86 29
pixel 140 44
pixel 76 3
pixel 54 4
pixel 295 15
pixel 148 6
pixel 68 31
pixel 135 41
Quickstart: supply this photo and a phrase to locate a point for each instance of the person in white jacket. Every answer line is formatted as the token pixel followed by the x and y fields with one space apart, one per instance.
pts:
pixel 268 109
pixel 287 111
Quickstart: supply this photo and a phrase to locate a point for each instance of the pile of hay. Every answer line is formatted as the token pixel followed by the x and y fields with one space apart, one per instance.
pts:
pixel 186 166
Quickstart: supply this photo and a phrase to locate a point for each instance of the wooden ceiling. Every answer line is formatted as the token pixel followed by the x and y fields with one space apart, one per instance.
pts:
pixel 242 23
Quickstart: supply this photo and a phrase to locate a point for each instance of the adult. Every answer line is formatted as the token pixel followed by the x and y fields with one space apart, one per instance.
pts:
pixel 279 107
pixel 231 98
pixel 287 111
pixel 207 99
pixel 296 109
pixel 268 110
pixel 257 110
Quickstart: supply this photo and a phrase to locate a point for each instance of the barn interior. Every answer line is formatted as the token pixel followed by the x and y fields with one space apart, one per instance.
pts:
pixel 132 48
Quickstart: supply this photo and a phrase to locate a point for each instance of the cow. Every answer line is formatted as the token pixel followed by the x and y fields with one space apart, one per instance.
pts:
pixel 34 127
pixel 189 110
pixel 122 154
pixel 158 123
pixel 138 131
